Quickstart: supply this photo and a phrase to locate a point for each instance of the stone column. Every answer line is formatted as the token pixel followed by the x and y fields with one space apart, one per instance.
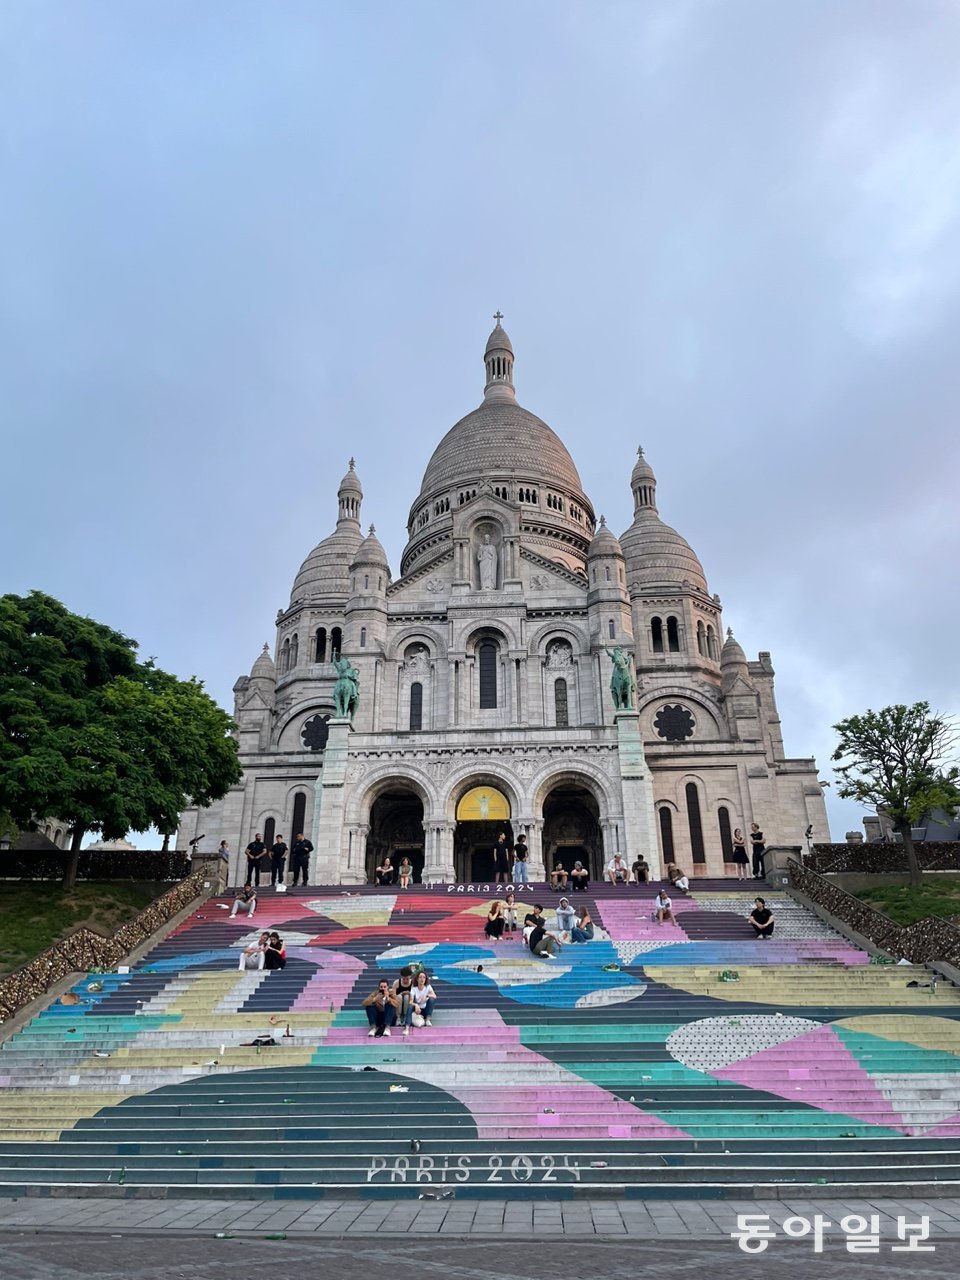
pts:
pixel 611 844
pixel 355 871
pixel 329 804
pixel 636 786
pixel 533 829
pixel 438 854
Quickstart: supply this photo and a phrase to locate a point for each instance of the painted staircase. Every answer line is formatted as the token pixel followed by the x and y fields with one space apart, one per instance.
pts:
pixel 657 1060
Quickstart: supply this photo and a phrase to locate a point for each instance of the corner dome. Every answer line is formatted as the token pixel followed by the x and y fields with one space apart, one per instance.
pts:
pixel 657 555
pixel 732 653
pixel 264 668
pixel 371 552
pixel 605 542
pixel 326 570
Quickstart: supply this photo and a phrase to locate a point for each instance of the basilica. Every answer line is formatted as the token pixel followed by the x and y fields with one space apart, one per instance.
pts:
pixel 483 679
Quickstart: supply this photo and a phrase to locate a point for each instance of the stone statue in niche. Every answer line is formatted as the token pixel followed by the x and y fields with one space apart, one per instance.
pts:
pixel 487 560
pixel 418 662
pixel 559 656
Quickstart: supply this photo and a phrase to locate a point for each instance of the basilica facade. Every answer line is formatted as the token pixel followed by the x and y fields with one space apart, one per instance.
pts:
pixel 484 673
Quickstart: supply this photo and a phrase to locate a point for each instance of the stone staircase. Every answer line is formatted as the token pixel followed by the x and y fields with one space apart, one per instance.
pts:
pixel 658 1060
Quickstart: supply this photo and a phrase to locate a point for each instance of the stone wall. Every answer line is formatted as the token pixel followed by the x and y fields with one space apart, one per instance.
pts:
pixel 921 943
pixel 933 855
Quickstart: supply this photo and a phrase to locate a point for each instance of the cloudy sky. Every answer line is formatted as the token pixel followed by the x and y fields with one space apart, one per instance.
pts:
pixel 240 242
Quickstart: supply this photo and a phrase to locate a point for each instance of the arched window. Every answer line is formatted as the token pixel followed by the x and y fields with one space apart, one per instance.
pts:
pixel 487 654
pixel 702 640
pixel 612 629
pixel 285 657
pixel 656 635
pixel 269 831
pixel 294 651
pixel 607 572
pixel 673 635
pixel 299 815
pixel 57 836
pixel 712 644
pixel 666 834
pixel 696 827
pixel 363 637
pixel 336 642
pixel 416 707
pixel 320 648
pixel 560 702
pixel 366 582
pixel 726 837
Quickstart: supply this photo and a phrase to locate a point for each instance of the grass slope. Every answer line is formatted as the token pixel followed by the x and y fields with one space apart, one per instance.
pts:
pixel 906 905
pixel 34 915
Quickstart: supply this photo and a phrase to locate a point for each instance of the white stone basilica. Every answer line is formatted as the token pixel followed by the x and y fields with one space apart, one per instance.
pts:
pixel 484 682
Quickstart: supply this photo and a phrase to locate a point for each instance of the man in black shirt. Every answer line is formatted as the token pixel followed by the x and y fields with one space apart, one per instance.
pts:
pixel 278 860
pixel 762 919
pixel 300 859
pixel 254 853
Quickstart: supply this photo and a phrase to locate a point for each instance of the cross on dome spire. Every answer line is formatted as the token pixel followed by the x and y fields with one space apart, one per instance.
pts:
pixel 498 361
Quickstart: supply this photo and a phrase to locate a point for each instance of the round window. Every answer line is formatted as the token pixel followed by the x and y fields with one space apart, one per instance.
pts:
pixel 674 724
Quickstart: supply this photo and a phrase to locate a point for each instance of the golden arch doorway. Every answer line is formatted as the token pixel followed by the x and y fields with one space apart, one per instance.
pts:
pixel 482 813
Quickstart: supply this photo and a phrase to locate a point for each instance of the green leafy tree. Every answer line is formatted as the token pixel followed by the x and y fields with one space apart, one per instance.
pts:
pixel 93 736
pixel 897 760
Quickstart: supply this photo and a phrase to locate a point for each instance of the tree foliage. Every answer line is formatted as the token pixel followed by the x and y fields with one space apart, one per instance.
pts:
pixel 897 759
pixel 92 736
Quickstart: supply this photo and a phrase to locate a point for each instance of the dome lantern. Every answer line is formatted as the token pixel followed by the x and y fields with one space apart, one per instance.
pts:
pixel 349 496
pixel 498 362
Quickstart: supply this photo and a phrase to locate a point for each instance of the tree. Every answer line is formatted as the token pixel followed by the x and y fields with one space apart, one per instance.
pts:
pixel 93 736
pixel 897 759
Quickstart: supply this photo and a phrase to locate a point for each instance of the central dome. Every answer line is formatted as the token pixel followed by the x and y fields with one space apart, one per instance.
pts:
pixel 500 436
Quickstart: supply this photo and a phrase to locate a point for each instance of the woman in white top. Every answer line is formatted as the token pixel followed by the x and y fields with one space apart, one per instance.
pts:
pixel 424 997
pixel 663 908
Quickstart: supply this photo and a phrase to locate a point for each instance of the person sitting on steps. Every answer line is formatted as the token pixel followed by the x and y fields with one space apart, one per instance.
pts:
pixel 275 954
pixel 381 1009
pixel 543 943
pixel 677 878
pixel 558 877
pixel 385 871
pixel 424 998
pixel 510 913
pixel 617 870
pixel 245 900
pixel 761 918
pixel 663 908
pixel 640 871
pixel 495 921
pixel 565 916
pixel 406 872
pixel 254 956
pixel 579 877
pixel 582 931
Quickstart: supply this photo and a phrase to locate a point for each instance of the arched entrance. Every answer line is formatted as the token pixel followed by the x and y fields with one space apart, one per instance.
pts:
pixel 571 829
pixel 482 813
pixel 396 827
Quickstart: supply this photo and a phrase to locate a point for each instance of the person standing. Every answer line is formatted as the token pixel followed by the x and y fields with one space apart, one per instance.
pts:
pixel 300 859
pixel 254 851
pixel 278 861
pixel 521 872
pixel 756 842
pixel 740 854
pixel 501 859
